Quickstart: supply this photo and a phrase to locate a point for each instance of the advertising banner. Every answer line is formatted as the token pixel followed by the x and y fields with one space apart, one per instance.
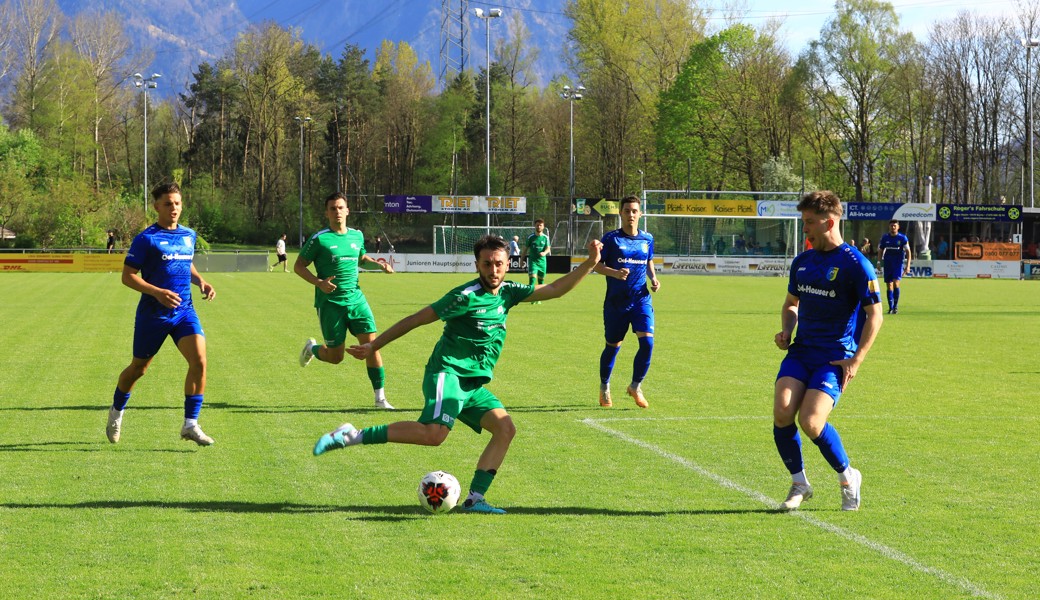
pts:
pixel 600 207
pixel 886 211
pixel 407 204
pixel 514 205
pixel 777 209
pixel 987 251
pixel 723 265
pixel 980 212
pixel 62 263
pixel 711 208
pixel 977 269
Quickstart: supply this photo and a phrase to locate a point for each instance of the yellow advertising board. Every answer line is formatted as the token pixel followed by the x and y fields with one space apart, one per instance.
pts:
pixel 61 263
pixel 710 208
pixel 987 251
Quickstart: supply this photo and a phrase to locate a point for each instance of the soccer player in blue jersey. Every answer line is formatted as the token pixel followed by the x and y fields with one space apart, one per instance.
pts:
pixel 628 263
pixel 828 287
pixel 159 266
pixel 461 363
pixel 895 260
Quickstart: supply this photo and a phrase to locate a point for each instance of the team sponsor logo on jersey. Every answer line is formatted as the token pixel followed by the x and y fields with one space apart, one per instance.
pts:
pixel 176 257
pixel 808 289
pixel 632 261
pixel 832 275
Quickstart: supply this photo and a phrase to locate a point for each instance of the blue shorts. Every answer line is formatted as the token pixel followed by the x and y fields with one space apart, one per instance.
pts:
pixel 893 271
pixel 150 330
pixel 616 321
pixel 813 368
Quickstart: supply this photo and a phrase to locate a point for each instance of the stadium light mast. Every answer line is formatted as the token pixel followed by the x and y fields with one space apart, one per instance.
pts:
pixel 302 121
pixel 1029 45
pixel 570 95
pixel 144 83
pixel 492 13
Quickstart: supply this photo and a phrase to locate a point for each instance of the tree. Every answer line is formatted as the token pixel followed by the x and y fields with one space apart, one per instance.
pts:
pixel 35 25
pixel 850 70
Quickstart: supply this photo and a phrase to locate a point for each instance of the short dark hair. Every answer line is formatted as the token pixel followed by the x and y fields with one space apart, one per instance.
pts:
pixel 630 198
pixel 896 221
pixel 489 242
pixel 335 196
pixel 821 202
pixel 537 221
pixel 165 188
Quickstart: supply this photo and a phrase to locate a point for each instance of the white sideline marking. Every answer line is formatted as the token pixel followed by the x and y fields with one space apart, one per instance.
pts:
pixel 886 551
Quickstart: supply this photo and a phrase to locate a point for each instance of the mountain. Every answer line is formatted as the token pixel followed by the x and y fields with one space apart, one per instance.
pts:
pixel 182 33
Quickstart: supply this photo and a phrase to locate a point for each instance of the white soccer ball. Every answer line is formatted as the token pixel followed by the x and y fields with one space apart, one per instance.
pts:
pixel 439 492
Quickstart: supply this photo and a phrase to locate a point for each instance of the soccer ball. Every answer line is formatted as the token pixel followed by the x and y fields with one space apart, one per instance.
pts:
pixel 439 492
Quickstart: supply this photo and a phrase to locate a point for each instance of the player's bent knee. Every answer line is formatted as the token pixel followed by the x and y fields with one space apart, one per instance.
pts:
pixel 434 435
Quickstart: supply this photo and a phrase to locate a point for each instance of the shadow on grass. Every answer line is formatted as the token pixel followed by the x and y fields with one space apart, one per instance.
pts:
pixel 74 447
pixel 364 512
pixel 88 407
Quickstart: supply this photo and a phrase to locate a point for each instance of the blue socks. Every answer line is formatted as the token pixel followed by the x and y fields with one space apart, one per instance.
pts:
pixel 606 362
pixel 119 399
pixel 891 302
pixel 895 296
pixel 789 445
pixel 641 363
pixel 832 449
pixel 192 406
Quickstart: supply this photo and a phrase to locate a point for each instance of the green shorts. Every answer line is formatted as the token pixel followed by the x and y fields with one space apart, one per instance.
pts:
pixel 337 319
pixel 536 268
pixel 450 397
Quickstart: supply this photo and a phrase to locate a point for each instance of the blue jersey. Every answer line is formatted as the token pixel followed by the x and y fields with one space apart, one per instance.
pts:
pixel 892 251
pixel 632 252
pixel 830 287
pixel 164 257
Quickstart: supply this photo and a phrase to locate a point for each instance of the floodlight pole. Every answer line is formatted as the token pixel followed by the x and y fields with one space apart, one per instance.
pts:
pixel 302 121
pixel 142 82
pixel 492 13
pixel 1029 45
pixel 570 95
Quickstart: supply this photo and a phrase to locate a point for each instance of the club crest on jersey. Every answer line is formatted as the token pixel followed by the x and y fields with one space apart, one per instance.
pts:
pixel 187 241
pixel 832 275
pixel 645 247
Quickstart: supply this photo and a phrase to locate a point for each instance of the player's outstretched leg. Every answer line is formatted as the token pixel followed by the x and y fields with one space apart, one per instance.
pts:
pixel 335 439
pixel 306 354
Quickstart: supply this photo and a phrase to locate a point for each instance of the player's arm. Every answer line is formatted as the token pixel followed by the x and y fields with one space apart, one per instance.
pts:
pixel 788 321
pixel 566 283
pixel 300 267
pixel 871 326
pixel 651 274
pixel 371 263
pixel 606 271
pixel 207 289
pixel 132 279
pixel 906 268
pixel 548 249
pixel 423 317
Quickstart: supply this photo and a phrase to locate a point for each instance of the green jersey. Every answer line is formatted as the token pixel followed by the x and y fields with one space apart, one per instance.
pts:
pixel 474 328
pixel 536 244
pixel 336 254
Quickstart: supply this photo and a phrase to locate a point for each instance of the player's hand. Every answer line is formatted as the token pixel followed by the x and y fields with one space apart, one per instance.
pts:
pixel 849 367
pixel 595 246
pixel 326 285
pixel 655 284
pixel 622 274
pixel 207 290
pixel 782 340
pixel 387 268
pixel 167 298
pixel 360 352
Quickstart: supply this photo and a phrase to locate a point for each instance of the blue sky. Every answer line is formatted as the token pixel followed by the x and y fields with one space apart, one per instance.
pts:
pixel 805 18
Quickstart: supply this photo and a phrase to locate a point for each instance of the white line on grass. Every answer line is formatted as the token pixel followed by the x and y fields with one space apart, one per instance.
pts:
pixel 958 418
pixel 886 551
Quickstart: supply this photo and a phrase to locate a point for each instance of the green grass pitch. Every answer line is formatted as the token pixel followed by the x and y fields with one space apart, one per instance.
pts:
pixel 670 502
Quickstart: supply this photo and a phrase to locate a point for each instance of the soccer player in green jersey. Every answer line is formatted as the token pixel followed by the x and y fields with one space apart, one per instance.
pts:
pixel 337 252
pixel 536 249
pixel 474 316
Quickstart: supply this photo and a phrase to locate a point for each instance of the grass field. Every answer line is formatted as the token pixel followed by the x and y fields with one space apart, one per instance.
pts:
pixel 670 502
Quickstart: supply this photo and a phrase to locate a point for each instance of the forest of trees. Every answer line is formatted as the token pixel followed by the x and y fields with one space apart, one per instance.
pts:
pixel 866 110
